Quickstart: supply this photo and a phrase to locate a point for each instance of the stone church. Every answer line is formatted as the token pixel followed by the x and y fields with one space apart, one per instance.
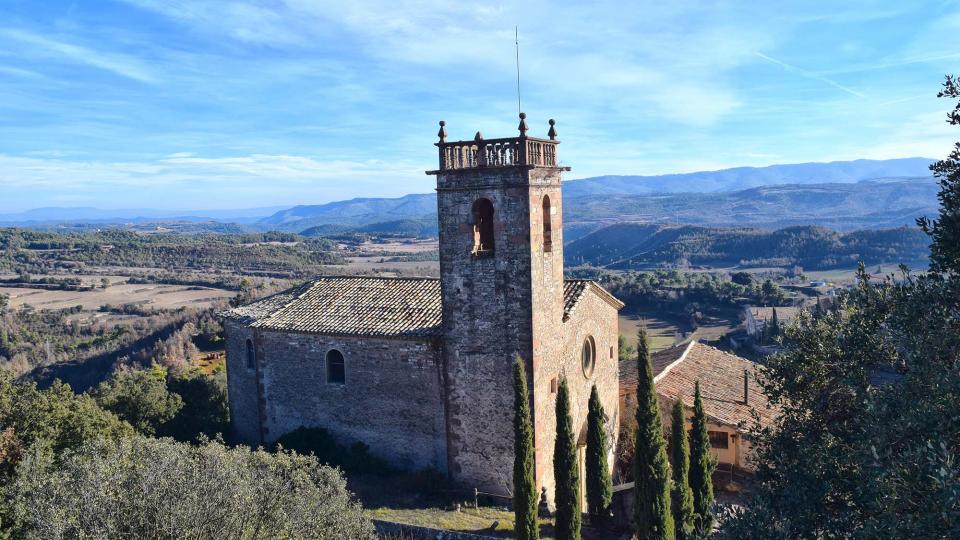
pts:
pixel 420 369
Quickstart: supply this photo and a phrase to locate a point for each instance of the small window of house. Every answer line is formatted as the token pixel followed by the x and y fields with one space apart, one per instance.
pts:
pixel 553 385
pixel 588 356
pixel 718 439
pixel 251 355
pixel 482 227
pixel 336 371
pixel 547 225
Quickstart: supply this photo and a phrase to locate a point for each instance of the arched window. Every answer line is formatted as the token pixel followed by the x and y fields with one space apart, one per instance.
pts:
pixel 336 372
pixel 483 226
pixel 547 225
pixel 251 356
pixel 588 356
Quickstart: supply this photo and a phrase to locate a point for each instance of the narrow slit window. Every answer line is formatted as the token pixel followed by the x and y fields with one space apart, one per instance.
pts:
pixel 547 225
pixel 336 370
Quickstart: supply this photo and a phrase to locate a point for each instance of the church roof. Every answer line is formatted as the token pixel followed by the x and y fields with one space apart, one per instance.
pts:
pixel 371 306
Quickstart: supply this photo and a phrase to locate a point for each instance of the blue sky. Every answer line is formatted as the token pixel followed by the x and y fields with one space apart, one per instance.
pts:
pixel 201 104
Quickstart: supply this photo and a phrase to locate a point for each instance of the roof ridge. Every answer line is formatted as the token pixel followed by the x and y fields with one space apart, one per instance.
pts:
pixel 673 364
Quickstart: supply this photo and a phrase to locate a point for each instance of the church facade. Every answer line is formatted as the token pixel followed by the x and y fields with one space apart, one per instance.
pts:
pixel 420 369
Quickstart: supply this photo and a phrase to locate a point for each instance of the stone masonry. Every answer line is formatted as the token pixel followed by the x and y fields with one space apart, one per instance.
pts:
pixel 428 365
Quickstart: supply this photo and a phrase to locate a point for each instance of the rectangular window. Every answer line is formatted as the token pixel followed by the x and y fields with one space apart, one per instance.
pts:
pixel 611 352
pixel 553 385
pixel 718 439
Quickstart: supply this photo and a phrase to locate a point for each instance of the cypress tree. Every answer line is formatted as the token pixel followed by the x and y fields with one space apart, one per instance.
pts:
pixel 681 495
pixel 775 324
pixel 652 516
pixel 701 467
pixel 566 471
pixel 524 489
pixel 599 482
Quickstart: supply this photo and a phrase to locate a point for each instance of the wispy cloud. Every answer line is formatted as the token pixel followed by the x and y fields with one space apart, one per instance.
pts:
pixel 119 64
pixel 811 75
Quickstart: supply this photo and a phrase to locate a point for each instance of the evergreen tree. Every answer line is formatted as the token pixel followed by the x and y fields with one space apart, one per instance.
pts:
pixel 566 471
pixel 945 230
pixel 681 495
pixel 599 482
pixel 701 467
pixel 774 324
pixel 652 517
pixel 524 488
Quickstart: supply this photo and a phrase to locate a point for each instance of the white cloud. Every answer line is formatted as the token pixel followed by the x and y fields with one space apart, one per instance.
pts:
pixel 119 64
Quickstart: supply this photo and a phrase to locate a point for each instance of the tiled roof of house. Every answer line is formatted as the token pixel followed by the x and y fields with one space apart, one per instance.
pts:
pixel 720 373
pixel 370 306
pixel 660 360
pixel 784 313
pixel 721 377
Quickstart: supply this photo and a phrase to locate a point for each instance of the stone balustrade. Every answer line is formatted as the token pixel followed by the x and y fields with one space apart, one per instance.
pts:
pixel 480 152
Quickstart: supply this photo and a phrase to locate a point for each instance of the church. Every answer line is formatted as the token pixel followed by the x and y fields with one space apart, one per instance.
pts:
pixel 420 369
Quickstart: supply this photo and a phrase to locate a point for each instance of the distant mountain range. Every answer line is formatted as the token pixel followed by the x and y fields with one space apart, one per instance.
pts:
pixel 740 178
pixel 844 195
pixel 52 215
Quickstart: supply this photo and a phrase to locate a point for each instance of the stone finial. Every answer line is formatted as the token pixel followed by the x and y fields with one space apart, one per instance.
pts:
pixel 478 137
pixel 553 131
pixel 523 124
pixel 443 132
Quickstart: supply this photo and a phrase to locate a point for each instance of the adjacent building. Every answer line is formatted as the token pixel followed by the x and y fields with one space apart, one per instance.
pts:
pixel 731 395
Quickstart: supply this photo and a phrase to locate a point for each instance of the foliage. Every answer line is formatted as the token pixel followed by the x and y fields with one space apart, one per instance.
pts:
pixel 686 294
pixel 599 483
pixel 701 467
pixel 524 486
pixel 205 411
pixel 566 472
pixel 867 441
pixel 625 351
pixel 157 488
pixel 630 246
pixel 353 459
pixel 652 517
pixel 945 230
pixel 140 397
pixel 50 421
pixel 43 251
pixel 680 493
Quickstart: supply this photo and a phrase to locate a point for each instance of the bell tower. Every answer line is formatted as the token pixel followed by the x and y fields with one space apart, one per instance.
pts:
pixel 501 268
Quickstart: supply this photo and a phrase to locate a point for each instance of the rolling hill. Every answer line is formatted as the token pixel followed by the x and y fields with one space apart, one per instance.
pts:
pixel 636 246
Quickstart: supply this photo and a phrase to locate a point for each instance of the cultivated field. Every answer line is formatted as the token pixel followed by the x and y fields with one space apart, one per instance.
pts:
pixel 147 295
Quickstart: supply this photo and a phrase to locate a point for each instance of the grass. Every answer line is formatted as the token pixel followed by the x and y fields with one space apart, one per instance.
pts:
pixel 490 521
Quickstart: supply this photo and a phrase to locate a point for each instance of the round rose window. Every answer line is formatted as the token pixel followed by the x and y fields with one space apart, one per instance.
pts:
pixel 588 358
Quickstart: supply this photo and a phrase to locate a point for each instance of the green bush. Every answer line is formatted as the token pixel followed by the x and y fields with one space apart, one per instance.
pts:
pixel 355 459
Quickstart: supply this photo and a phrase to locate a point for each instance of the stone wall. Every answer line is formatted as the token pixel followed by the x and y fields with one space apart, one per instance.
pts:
pixel 392 399
pixel 487 319
pixel 594 317
pixel 241 384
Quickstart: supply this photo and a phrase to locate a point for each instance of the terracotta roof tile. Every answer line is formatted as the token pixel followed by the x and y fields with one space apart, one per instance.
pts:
pixel 660 360
pixel 370 306
pixel 721 385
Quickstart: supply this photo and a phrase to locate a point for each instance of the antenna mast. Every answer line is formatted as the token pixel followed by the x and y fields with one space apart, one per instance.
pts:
pixel 516 43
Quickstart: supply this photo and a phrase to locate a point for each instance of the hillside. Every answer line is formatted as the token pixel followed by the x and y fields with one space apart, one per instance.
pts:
pixel 633 245
pixel 883 203
pixel 748 177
